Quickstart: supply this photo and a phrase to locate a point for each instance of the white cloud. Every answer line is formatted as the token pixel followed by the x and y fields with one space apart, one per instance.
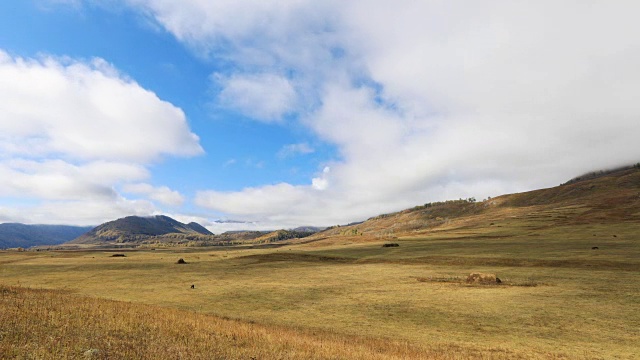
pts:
pixel 295 149
pixel 264 97
pixel 59 180
pixel 161 193
pixel 72 133
pixel 229 162
pixel 76 212
pixel 85 111
pixel 239 26
pixel 219 227
pixel 321 182
pixel 276 199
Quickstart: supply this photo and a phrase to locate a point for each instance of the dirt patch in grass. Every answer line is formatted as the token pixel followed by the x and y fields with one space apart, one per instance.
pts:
pixel 515 262
pixel 295 257
pixel 462 281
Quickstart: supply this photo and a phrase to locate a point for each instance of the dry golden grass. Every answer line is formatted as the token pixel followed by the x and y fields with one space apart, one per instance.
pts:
pixel 53 324
pixel 351 296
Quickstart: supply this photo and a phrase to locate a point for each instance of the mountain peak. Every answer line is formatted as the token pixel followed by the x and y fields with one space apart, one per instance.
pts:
pixel 136 228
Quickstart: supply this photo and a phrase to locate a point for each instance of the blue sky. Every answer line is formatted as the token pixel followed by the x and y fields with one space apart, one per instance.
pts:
pixel 288 113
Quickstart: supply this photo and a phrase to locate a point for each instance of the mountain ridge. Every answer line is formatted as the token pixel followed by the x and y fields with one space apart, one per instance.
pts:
pixel 13 235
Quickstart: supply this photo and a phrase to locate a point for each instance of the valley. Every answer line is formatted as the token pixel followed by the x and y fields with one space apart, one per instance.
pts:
pixel 568 259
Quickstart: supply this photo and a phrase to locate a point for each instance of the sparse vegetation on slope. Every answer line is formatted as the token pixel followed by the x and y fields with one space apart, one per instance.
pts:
pixel 611 195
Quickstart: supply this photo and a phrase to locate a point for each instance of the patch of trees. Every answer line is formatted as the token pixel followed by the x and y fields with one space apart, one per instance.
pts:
pixel 288 234
pixel 460 201
pixel 600 173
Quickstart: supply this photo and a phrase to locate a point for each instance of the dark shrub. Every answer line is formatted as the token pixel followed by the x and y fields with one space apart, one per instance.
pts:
pixel 390 245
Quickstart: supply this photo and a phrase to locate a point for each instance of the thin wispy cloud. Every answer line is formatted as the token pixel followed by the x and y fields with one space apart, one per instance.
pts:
pixel 294 150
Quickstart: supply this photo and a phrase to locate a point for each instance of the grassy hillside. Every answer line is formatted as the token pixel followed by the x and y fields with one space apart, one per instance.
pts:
pixel 610 197
pixel 138 229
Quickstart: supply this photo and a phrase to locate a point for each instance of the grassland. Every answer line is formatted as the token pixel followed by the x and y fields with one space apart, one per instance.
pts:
pixel 344 296
pixel 579 306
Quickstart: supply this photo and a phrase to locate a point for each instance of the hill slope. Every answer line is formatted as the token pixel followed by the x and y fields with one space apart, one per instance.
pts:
pixel 612 197
pixel 135 228
pixel 21 235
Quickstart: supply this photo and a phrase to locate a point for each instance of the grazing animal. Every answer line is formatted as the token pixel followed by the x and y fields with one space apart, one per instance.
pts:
pixel 193 286
pixel 594 248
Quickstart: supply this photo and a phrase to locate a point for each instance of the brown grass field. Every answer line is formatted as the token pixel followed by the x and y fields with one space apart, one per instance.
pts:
pixel 341 295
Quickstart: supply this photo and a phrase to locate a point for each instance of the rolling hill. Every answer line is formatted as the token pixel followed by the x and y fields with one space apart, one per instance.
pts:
pixel 136 228
pixel 611 197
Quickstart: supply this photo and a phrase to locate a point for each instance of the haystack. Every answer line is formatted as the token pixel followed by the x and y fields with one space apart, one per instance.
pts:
pixel 480 278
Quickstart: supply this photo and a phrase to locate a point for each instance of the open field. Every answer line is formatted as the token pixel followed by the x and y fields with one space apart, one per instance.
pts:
pixel 559 298
pixel 342 295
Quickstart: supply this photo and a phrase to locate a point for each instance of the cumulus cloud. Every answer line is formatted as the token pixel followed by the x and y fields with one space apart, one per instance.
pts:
pixel 321 182
pixel 73 132
pixel 264 97
pixel 85 111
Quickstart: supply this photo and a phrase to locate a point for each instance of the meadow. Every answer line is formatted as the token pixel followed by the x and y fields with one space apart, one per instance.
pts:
pixel 559 297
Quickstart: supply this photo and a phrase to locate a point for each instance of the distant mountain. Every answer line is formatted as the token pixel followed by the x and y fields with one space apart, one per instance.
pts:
pixel 136 228
pixel 14 235
pixel 199 228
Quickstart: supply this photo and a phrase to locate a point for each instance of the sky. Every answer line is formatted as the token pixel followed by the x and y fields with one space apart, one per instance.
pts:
pixel 264 114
